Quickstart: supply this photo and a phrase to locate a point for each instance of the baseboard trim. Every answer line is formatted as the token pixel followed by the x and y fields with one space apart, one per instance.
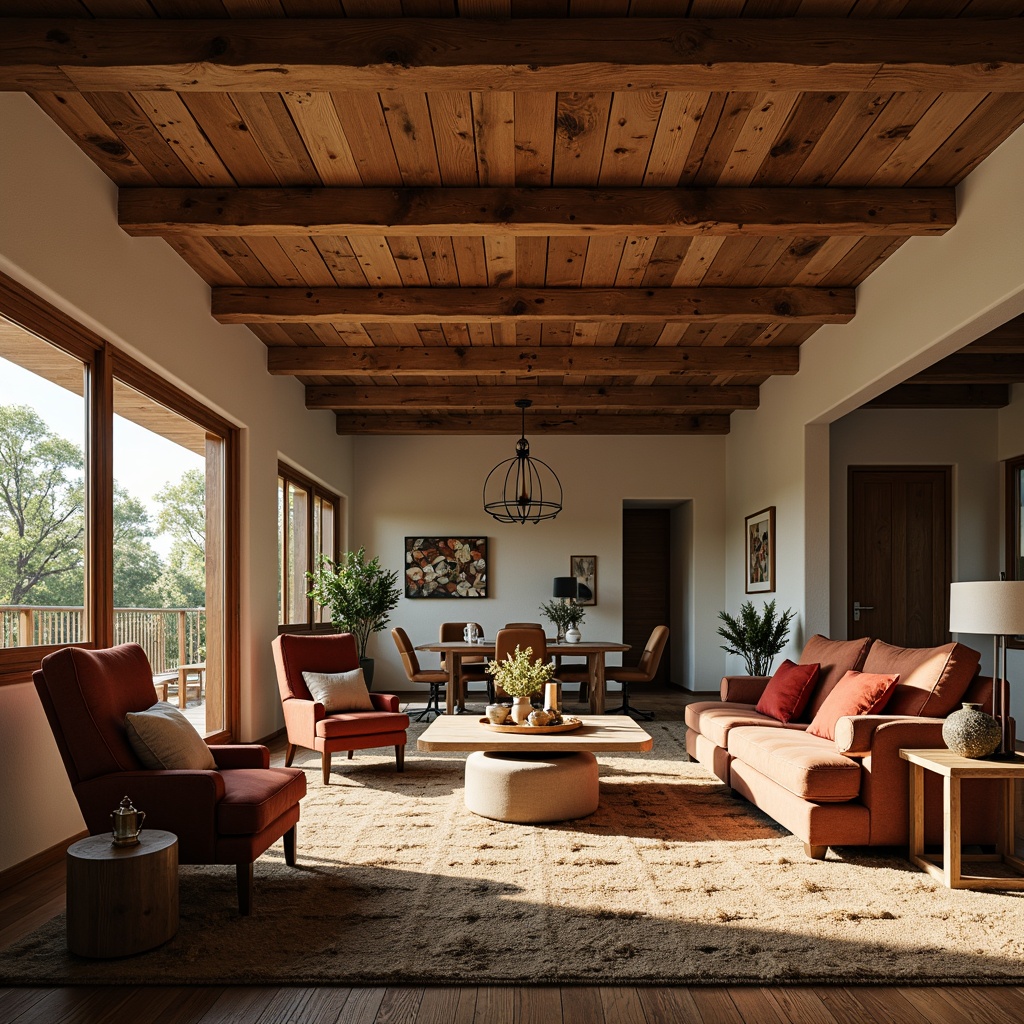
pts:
pixel 17 874
pixel 270 737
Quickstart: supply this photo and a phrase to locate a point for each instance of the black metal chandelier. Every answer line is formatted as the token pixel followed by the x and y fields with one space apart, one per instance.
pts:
pixel 529 489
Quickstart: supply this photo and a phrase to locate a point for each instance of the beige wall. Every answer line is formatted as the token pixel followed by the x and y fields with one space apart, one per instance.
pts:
pixel 933 296
pixel 432 486
pixel 59 237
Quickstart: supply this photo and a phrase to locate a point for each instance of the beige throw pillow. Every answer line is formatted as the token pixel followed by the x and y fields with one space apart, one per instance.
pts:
pixel 162 737
pixel 339 691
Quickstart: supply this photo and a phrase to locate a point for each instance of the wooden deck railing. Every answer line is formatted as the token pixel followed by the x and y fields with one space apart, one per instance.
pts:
pixel 169 636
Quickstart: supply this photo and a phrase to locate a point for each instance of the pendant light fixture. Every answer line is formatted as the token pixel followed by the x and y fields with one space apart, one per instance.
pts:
pixel 522 488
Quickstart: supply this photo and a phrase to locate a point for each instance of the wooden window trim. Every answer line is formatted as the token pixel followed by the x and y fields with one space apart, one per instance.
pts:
pixel 1012 512
pixel 314 490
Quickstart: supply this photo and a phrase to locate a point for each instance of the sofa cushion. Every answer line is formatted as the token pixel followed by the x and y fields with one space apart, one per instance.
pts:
pixel 714 719
pixel 339 691
pixel 836 658
pixel 807 766
pixel 163 737
pixel 933 680
pixel 361 723
pixel 788 691
pixel 857 693
pixel 256 797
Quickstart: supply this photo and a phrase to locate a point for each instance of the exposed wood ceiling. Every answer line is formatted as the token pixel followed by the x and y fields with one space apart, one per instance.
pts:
pixel 632 212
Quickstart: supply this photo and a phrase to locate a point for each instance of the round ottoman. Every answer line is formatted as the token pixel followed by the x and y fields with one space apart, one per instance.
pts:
pixel 531 787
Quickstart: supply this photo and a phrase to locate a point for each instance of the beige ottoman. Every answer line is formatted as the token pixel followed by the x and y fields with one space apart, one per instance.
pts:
pixel 531 787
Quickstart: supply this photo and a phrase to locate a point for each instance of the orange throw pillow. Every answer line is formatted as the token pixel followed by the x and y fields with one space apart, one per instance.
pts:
pixel 788 691
pixel 857 693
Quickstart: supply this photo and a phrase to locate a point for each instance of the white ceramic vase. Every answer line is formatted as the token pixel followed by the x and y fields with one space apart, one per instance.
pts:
pixel 520 709
pixel 573 635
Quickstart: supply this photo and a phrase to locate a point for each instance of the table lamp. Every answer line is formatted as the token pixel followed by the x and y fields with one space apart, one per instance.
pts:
pixel 565 586
pixel 995 607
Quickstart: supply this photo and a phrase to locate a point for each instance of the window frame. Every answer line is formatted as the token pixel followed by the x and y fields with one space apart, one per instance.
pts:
pixel 1012 516
pixel 314 491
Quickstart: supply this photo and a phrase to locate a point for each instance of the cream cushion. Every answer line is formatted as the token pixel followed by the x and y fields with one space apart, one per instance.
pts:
pixel 339 691
pixel 162 737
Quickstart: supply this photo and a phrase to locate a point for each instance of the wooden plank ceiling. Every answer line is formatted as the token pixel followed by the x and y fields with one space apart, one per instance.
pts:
pixel 631 212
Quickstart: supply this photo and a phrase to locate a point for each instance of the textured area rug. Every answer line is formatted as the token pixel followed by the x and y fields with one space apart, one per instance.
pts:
pixel 672 881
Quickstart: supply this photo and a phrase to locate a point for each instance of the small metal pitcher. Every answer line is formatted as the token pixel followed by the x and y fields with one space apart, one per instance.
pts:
pixel 127 823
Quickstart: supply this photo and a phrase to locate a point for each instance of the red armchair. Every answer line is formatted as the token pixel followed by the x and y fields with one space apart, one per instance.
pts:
pixel 307 722
pixel 227 816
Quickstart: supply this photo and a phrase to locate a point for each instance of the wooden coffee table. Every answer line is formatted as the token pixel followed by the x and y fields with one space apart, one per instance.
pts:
pixel 527 777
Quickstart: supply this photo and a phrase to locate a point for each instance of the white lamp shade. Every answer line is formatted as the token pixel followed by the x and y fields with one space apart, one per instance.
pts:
pixel 994 607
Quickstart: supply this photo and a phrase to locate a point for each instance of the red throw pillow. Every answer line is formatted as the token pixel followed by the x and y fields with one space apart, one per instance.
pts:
pixel 788 691
pixel 857 693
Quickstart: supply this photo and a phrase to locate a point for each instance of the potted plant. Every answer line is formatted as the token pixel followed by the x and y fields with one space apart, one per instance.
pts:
pixel 520 677
pixel 563 616
pixel 757 638
pixel 360 596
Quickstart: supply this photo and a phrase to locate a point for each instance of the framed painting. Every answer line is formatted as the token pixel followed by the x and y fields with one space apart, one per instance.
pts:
pixel 445 567
pixel 584 568
pixel 759 545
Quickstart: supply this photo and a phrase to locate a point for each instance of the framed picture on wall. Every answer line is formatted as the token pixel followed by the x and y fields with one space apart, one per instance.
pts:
pixel 759 550
pixel 584 568
pixel 445 567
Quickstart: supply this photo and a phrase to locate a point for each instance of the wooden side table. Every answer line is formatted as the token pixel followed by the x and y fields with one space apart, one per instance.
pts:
pixel 953 769
pixel 122 899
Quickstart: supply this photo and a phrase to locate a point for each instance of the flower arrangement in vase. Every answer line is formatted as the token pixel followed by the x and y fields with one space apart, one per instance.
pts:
pixel 563 616
pixel 519 677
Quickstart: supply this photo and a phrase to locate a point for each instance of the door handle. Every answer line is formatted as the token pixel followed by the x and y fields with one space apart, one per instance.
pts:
pixel 858 608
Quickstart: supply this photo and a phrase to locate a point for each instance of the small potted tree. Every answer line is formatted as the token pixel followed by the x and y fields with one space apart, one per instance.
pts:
pixel 756 638
pixel 360 596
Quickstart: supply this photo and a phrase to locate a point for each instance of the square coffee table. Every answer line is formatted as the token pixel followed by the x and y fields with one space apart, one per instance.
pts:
pixel 528 777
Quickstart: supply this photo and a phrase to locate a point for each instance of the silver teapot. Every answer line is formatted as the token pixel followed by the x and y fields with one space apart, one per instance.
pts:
pixel 127 823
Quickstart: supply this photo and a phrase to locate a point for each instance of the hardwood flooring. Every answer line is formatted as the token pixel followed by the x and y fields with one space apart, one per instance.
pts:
pixel 26 906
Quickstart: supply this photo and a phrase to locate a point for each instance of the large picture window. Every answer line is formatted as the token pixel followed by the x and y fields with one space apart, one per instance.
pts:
pixel 308 525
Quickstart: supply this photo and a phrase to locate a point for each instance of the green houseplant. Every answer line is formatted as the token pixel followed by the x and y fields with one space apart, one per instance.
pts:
pixel 360 594
pixel 519 677
pixel 756 638
pixel 563 616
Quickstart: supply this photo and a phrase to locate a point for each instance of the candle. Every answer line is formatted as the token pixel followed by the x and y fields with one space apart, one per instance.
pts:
pixel 551 696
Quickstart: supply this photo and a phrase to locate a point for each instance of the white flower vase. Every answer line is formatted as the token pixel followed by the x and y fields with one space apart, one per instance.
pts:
pixel 573 635
pixel 521 709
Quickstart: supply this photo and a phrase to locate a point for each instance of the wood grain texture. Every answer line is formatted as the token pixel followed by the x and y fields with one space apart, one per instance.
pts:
pixel 455 422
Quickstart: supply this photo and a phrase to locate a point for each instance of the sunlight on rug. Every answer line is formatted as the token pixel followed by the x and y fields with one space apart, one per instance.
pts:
pixel 672 881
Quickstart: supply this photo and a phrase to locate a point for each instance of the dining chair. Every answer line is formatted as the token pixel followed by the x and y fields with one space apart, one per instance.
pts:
pixel 508 639
pixel 471 669
pixel 642 673
pixel 433 677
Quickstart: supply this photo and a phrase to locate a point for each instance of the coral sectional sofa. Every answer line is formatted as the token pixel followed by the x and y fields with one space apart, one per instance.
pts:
pixel 850 790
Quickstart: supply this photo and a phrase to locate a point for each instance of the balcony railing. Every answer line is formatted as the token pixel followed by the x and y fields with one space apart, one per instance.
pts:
pixel 169 636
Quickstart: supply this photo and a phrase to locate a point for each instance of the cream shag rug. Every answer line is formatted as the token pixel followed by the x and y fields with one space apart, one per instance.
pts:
pixel 672 881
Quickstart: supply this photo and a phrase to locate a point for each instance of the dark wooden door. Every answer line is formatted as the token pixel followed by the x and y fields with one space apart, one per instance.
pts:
pixel 646 541
pixel 900 554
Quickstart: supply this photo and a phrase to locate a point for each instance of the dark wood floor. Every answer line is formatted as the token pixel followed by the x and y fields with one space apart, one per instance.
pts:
pixel 28 905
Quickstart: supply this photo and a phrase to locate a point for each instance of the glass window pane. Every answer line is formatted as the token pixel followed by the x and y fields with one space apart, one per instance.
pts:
pixel 298 548
pixel 42 492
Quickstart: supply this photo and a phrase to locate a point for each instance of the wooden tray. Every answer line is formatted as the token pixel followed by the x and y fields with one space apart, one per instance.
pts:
pixel 531 729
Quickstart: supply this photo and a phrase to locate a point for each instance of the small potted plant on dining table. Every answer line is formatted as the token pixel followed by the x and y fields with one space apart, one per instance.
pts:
pixel 520 676
pixel 565 617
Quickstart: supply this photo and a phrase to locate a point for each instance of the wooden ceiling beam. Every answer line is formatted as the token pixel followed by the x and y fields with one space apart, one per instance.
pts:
pixel 777 212
pixel 537 424
pixel 943 396
pixel 533 305
pixel 552 55
pixel 523 361
pixel 688 398
pixel 965 368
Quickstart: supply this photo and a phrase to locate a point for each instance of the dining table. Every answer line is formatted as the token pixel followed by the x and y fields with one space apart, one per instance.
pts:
pixel 593 650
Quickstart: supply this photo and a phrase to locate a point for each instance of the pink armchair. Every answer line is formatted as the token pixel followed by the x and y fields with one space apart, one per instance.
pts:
pixel 307 722
pixel 227 816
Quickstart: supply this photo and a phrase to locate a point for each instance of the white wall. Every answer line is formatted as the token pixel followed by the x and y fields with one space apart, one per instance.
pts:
pixel 933 296
pixel 431 486
pixel 59 237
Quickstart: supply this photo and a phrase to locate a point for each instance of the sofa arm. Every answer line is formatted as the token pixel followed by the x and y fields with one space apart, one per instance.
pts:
pixel 385 702
pixel 743 689
pixel 240 755
pixel 857 735
pixel 300 718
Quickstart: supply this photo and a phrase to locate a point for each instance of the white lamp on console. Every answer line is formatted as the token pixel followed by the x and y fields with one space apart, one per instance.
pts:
pixel 995 607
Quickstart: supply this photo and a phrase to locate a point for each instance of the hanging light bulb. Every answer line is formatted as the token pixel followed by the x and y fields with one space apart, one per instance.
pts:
pixel 529 489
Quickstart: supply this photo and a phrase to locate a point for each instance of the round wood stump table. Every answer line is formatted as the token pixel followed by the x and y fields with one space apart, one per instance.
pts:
pixel 122 899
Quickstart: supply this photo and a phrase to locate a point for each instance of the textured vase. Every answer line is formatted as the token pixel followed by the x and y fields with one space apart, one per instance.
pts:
pixel 521 709
pixel 573 635
pixel 969 732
